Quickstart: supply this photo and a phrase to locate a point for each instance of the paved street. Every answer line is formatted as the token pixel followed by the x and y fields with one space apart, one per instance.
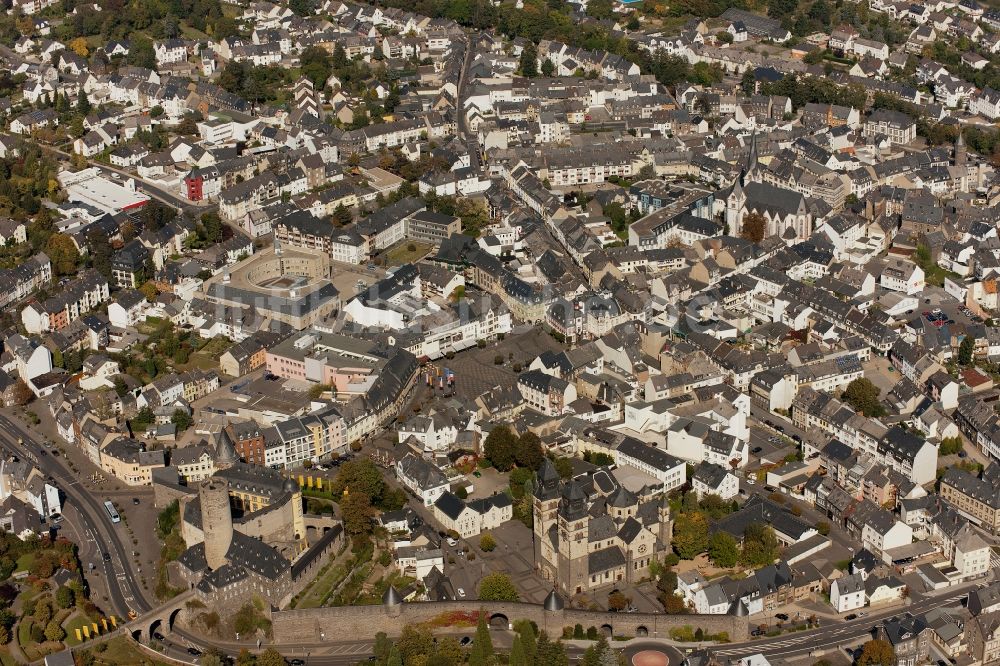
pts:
pixel 826 637
pixel 124 588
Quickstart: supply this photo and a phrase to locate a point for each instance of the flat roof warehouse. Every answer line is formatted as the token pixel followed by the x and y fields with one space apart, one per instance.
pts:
pixel 89 187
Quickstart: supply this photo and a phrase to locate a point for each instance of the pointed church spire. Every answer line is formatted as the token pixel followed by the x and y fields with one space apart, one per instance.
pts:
pixel 752 157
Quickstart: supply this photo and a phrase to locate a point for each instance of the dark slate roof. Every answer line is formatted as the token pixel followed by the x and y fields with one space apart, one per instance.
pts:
pixel 604 560
pixel 450 505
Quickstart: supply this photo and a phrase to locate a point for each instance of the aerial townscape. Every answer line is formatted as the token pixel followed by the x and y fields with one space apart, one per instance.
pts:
pixel 500 333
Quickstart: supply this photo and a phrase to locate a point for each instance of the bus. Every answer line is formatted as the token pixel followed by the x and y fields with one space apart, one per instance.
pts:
pixel 115 518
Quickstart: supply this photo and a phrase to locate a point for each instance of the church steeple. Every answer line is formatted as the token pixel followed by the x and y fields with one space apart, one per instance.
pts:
pixel 961 152
pixel 752 166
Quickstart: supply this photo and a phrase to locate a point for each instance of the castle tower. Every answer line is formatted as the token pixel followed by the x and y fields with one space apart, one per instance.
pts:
pixel 961 152
pixel 225 451
pixel 216 520
pixel 291 486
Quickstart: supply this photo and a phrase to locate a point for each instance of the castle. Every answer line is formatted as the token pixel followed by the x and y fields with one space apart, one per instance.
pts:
pixel 591 532
pixel 246 535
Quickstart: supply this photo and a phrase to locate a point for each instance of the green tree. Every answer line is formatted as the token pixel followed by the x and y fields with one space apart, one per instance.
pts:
pixel 64 597
pixel 43 610
pixel 271 657
pixel 188 126
pixel 54 631
pixel 448 652
pixel 748 83
pixel 548 69
pixel 760 545
pixel 600 653
pixel 357 512
pixel 517 657
pixel 500 448
pixel 100 251
pixel 482 647
pixel 487 543
pixel 497 586
pixel 303 7
pixel 528 451
pixel 528 62
pixel 550 653
pixel 690 535
pixel 62 253
pixel 395 659
pixel 966 349
pixel 564 466
pixel 316 65
pixel 781 9
pixel 415 642
pixel 141 53
pixel 211 223
pixel 877 653
pixel 342 216
pixel 723 549
pixel 359 475
pixel 181 419
pixel 382 647
pixel 951 446
pixel 863 396
pixel 529 639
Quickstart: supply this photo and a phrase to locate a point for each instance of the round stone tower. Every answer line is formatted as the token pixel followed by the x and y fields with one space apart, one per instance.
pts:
pixel 216 520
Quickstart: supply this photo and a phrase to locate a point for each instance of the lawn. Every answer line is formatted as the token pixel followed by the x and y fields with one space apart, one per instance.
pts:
pixel 402 254
pixel 318 591
pixel 24 633
pixel 121 651
pixel 25 561
pixel 201 361
pixel 77 621
pixel 150 326
pixel 207 358
pixel 33 651
pixel 935 275
pixel 215 346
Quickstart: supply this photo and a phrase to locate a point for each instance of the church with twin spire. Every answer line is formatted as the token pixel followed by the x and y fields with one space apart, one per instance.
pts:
pixel 591 532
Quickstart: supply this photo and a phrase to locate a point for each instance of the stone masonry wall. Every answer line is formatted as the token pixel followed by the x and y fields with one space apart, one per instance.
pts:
pixel 319 624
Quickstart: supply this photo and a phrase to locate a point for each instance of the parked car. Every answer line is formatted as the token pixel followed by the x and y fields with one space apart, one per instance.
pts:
pixel 461 592
pixel 466 640
pixel 850 617
pixel 452 542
